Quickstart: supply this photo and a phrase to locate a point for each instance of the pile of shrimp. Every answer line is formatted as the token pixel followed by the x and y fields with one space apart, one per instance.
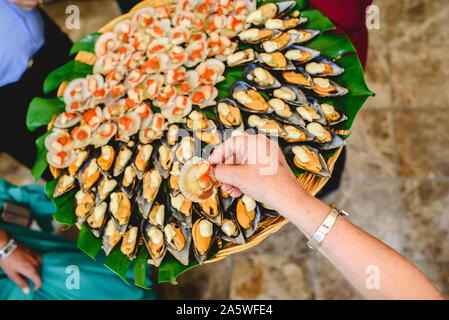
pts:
pixel 170 56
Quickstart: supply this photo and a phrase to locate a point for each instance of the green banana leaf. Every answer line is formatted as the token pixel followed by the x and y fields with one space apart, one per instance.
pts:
pixel 41 163
pixel 65 204
pixel 86 43
pixel 41 111
pixel 334 46
pixel 68 72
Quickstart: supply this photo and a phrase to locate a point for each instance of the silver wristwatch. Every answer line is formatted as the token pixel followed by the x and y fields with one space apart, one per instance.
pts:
pixel 8 249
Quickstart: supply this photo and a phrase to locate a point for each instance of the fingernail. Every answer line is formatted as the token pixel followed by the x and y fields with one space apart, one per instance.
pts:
pixel 26 291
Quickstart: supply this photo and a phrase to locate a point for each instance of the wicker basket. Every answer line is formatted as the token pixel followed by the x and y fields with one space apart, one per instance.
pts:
pixel 310 182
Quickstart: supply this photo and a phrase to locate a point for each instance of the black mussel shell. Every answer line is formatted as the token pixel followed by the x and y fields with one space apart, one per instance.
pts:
pixel 250 77
pixel 187 219
pixel 106 166
pixel 273 133
pixel 80 220
pixel 128 186
pixel 294 119
pixel 333 122
pixel 336 69
pixel 121 226
pixel 289 155
pixel 133 223
pixel 145 227
pixel 183 254
pixel 123 157
pixel 164 170
pixel 287 77
pixel 143 203
pixel 107 246
pixel 196 149
pixel 245 56
pixel 146 164
pixel 267 211
pixel 172 186
pixel 238 238
pixel 263 57
pixel 101 193
pixel 304 35
pixel 312 54
pixel 174 133
pixel 99 223
pixel 216 217
pixel 85 185
pixel 232 103
pixel 339 90
pixel 242 36
pixel 247 232
pixel 64 184
pixel 300 98
pixel 242 86
pixel 202 257
pixel 316 106
pixel 265 45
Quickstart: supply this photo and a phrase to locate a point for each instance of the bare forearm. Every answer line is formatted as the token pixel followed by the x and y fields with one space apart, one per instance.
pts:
pixel 374 269
pixel 4 238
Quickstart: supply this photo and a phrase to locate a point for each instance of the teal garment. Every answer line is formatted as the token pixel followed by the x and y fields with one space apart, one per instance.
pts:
pixel 61 257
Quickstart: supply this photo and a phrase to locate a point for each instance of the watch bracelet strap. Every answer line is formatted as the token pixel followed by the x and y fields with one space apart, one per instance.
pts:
pixel 7 250
pixel 319 235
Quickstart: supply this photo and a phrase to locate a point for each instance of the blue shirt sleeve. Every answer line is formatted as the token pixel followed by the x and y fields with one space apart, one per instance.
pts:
pixel 22 36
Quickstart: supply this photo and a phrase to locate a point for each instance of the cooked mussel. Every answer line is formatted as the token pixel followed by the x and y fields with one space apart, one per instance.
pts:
pixel 323 67
pixel 275 61
pixel 285 24
pixel 303 35
pixel 129 242
pixel 178 237
pixel 142 159
pixel 300 55
pixel 228 114
pixel 212 137
pixel 173 135
pixel 197 121
pixel 284 113
pixel 296 134
pixel 266 125
pixel 211 208
pixel 248 98
pixel 240 57
pixel 332 115
pixel 248 214
pixel 306 158
pixel 97 218
pixel 180 207
pixel 203 235
pixel 255 35
pixel 173 184
pixel 81 156
pixel 298 77
pixel 186 149
pixel 111 236
pixel 157 215
pixel 65 183
pixel 120 209
pixel 226 199
pixel 284 40
pixel 270 11
pixel 311 112
pixel 84 203
pixel 106 159
pixel 128 180
pixel 89 174
pixel 148 190
pixel 324 87
pixel 163 159
pixel 104 188
pixel 230 229
pixel 290 94
pixel 123 159
pixel 259 77
pixel 154 241
pixel 325 138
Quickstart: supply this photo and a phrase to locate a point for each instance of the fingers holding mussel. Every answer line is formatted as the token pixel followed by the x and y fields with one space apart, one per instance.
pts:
pixel 178 237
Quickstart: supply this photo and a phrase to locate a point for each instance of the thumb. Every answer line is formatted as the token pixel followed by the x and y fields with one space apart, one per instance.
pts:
pixel 230 174
pixel 20 282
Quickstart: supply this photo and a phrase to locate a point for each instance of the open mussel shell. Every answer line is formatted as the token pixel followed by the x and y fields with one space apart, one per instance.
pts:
pixel 173 134
pixel 228 114
pixel 304 35
pixel 248 220
pixel 197 121
pixel 275 61
pixel 315 163
pixel 64 184
pixel 298 77
pixel 211 208
pixel 130 240
pixel 311 112
pixel 226 199
pixel 180 207
pixel 204 235
pixel 285 113
pixel 105 187
pixel 162 158
pixel 240 58
pixel 291 94
pixel 270 11
pixel 123 158
pixel 279 43
pixel 294 134
pixel 332 89
pixel 255 104
pixel 265 124
pixel 88 174
pixel 147 190
pixel 172 181
pixel 154 241
pixel 335 142
pixel 84 203
pixel 210 138
pixel 81 157
pixel 186 149
pixel 106 159
pixel 121 209
pixel 332 115
pixel 128 180
pixel 178 238
pixel 323 67
pixel 259 77
pixel 97 218
pixel 256 35
pixel 300 55
pixel 142 159
pixel 267 211
pixel 111 236
pixel 285 23
pixel 230 229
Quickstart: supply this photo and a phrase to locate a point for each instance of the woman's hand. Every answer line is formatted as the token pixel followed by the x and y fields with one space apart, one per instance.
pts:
pixel 255 165
pixel 23 263
pixel 27 5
